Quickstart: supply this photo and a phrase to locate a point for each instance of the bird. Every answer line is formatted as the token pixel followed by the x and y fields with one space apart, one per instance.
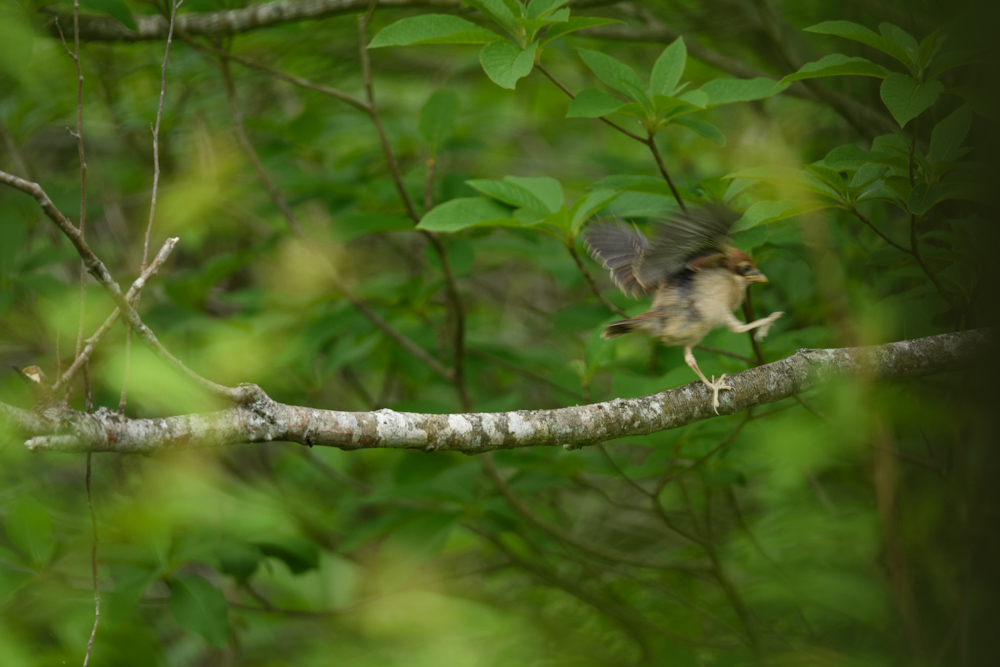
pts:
pixel 698 278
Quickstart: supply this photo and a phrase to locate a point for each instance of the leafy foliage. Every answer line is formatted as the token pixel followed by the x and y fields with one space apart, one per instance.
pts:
pixel 837 530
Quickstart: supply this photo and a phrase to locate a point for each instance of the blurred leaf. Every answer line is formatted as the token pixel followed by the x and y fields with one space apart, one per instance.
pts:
pixel 30 530
pixel 906 99
pixel 437 117
pixel 433 29
pixel 116 9
pixel 506 63
pixel 859 33
pixel 615 74
pixel 349 226
pixel 948 135
pixel 200 607
pixel 424 537
pixel 458 214
pixel 837 64
pixel 237 559
pixel 16 40
pixel 727 91
pixel 703 128
pixel 130 584
pixel 593 103
pixel 668 68
pixel 573 24
pixel 300 555
pixel 772 211
pixel 540 8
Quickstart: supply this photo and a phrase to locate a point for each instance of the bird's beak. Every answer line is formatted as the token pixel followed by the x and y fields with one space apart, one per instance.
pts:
pixel 756 276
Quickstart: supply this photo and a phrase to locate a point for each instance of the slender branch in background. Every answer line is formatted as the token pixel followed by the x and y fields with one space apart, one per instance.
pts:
pixel 451 289
pixel 278 74
pixel 293 224
pixel 594 287
pixel 98 270
pixel 541 68
pixel 91 343
pixel 93 563
pixel 875 229
pixel 748 312
pixel 152 203
pixel 651 142
pixel 594 549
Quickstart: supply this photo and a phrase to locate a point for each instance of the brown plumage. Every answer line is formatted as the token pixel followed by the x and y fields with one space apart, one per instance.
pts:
pixel 699 280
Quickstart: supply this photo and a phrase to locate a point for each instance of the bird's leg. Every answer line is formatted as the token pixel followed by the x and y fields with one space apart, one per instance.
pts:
pixel 716 387
pixel 762 325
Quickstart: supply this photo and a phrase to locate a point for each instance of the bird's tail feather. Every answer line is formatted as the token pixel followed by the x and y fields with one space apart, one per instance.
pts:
pixel 619 328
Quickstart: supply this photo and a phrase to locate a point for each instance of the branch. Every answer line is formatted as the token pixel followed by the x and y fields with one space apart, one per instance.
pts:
pixel 264 420
pixel 236 21
pixel 96 268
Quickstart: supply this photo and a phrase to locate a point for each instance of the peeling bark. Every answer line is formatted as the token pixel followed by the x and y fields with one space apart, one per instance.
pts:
pixel 57 428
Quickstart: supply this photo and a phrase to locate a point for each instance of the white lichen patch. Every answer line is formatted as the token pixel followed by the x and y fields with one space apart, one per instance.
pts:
pixel 520 428
pixel 396 428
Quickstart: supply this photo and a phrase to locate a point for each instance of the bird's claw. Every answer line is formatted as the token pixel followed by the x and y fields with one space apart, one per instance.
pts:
pixel 764 328
pixel 716 387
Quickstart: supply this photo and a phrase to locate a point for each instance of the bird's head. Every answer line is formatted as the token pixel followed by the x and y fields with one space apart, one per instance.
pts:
pixel 740 264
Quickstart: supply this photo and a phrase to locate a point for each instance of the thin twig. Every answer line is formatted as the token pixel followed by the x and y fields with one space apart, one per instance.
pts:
pixel 451 289
pixel 91 343
pixel 152 204
pixel 541 68
pixel 93 562
pixel 875 229
pixel 601 551
pixel 593 283
pixel 651 142
pixel 293 224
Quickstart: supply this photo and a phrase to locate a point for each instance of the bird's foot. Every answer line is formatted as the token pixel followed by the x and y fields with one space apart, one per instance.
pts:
pixel 716 387
pixel 764 328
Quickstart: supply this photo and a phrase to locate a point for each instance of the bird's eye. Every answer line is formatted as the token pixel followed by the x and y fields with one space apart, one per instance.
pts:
pixel 744 269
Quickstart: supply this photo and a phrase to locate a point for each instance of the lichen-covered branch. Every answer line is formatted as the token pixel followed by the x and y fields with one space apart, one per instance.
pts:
pixel 265 420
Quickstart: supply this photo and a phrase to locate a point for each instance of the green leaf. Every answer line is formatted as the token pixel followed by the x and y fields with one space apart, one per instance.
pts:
pixel 350 226
pixel 925 196
pixel 116 9
pixel 237 559
pixel 727 91
pixel 772 211
pixel 698 98
pixel 499 11
pixel 433 29
pixel 615 74
pixel 929 48
pixel 437 117
pixel 859 33
pixel 588 205
pixel 904 39
pixel 200 607
pixel 573 24
pixel 837 64
pixel 788 176
pixel 546 189
pixel 506 63
pixel 948 135
pixel 424 537
pixel 457 214
pixel 510 193
pixel 704 128
pixel 299 554
pixel 30 530
pixel 532 26
pixel 668 68
pixel 538 9
pixel 905 98
pixel 593 103
pixel 16 40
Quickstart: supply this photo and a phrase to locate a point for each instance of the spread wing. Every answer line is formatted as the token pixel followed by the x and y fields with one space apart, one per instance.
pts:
pixel 637 266
pixel 622 249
